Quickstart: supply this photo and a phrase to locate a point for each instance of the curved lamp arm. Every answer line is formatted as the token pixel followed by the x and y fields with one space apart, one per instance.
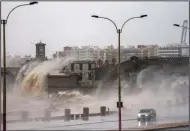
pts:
pixel 95 16
pixel 131 19
pixel 13 10
pixel 31 3
pixel 127 21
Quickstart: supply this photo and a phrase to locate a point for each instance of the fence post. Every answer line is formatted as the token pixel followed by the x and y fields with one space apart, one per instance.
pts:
pixel 47 114
pixel 85 113
pixel 24 115
pixel 72 116
pixel 77 117
pixel 102 110
pixel 67 115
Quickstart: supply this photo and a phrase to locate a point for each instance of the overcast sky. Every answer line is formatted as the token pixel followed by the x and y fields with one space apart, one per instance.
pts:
pixel 59 24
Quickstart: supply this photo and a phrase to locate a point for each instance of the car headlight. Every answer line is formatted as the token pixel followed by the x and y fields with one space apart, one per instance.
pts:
pixel 139 115
pixel 146 114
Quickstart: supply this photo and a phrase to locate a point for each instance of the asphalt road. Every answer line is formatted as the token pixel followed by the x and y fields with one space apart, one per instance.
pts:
pixel 106 122
pixel 100 123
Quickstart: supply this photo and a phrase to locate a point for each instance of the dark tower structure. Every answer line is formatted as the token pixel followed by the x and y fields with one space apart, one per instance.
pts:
pixel 40 51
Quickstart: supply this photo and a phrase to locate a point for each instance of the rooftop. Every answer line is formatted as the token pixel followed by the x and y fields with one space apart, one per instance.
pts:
pixel 40 43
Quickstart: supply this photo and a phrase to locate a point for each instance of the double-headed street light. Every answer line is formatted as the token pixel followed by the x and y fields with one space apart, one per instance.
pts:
pixel 119 103
pixel 4 22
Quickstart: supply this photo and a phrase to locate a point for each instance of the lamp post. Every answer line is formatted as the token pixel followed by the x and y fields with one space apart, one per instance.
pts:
pixel 4 22
pixel 180 26
pixel 177 25
pixel 119 31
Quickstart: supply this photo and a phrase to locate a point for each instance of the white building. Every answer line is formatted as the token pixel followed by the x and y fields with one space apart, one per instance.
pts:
pixel 89 53
pixel 185 49
pixel 128 52
pixel 110 53
pixel 152 50
pixel 170 50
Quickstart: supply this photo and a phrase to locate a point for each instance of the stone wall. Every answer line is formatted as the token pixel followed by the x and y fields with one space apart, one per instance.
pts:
pixel 62 81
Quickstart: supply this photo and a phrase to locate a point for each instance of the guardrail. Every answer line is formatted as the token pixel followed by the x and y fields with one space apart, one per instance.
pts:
pixel 24 115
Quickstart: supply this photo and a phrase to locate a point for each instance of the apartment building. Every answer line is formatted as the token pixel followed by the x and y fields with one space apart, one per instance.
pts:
pixel 110 53
pixel 89 53
pixel 147 51
pixel 170 50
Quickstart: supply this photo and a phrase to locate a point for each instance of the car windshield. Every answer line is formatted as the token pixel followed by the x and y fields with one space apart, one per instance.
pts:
pixel 145 111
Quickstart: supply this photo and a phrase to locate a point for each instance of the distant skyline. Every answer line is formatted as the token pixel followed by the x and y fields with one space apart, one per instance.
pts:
pixel 59 24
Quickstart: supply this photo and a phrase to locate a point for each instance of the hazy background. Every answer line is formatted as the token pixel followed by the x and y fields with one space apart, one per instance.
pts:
pixel 59 24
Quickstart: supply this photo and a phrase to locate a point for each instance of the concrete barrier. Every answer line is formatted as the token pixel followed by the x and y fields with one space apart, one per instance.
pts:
pixel 67 115
pixel 103 111
pixel 47 114
pixel 77 116
pixel 24 116
pixel 85 115
pixel 72 117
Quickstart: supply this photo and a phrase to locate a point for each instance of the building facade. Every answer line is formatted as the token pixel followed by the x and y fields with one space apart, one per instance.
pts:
pixel 40 51
pixel 148 50
pixel 170 51
pixel 89 53
pixel 185 49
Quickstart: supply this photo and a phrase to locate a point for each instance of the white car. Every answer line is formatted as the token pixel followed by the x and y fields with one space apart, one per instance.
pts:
pixel 146 114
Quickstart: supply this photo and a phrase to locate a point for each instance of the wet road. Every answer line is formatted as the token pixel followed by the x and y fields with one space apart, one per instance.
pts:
pixel 106 122
pixel 101 123
pixel 177 129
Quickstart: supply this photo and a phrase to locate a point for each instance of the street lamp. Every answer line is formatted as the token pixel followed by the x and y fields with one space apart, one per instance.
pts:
pixel 119 31
pixel 4 22
pixel 180 26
